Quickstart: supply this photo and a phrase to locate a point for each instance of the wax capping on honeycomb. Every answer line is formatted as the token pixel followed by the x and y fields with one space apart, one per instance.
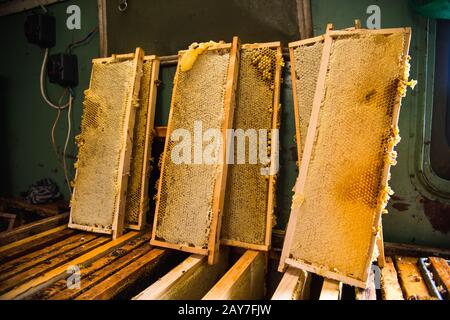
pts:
pixel 306 63
pixel 137 198
pixel 246 201
pixel 345 183
pixel 184 207
pixel 102 139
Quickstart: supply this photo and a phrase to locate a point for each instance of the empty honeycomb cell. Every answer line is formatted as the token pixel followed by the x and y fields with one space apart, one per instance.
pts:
pixel 100 143
pixel 246 201
pixel 345 185
pixel 306 64
pixel 184 208
pixel 135 199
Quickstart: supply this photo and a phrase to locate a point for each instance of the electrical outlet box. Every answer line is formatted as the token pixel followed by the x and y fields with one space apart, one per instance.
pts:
pixel 40 30
pixel 62 69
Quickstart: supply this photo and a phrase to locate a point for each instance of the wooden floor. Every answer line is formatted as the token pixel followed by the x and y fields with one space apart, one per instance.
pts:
pixel 46 260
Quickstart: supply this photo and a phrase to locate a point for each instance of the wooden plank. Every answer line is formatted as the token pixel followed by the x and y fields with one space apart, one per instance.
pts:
pixel 359 270
pixel 331 290
pixel 125 277
pixel 103 28
pixel 161 132
pixel 46 210
pixel 99 270
pixel 293 286
pixel 441 273
pixel 50 264
pixel 50 277
pixel 380 246
pixel 190 280
pixel 26 262
pixel 401 249
pixel 370 293
pixel 411 280
pixel 221 172
pixel 10 7
pixel 33 243
pixel 31 229
pixel 390 287
pixel 244 281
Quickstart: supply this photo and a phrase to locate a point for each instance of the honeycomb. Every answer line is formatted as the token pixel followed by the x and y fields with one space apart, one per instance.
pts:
pixel 306 64
pixel 345 189
pixel 185 202
pixel 135 186
pixel 102 138
pixel 246 199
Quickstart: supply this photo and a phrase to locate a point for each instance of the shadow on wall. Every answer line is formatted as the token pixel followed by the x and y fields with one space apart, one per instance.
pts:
pixel 5 178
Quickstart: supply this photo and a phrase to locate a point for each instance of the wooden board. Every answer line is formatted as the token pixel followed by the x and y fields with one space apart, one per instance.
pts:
pixel 293 286
pixel 441 272
pixel 244 281
pixel 46 279
pixel 351 195
pixel 249 207
pixel 411 279
pixel 179 223
pixel 33 228
pixel 190 280
pixel 390 287
pixel 101 179
pixel 137 190
pixel 331 290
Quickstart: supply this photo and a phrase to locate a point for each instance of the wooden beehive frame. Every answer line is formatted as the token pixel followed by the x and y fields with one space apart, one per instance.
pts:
pixel 300 184
pixel 151 106
pixel 275 125
pixel 221 174
pixel 125 155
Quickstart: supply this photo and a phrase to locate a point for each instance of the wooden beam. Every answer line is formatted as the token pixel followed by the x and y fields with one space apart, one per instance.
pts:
pixel 67 254
pixel 31 287
pixel 370 293
pixel 390 287
pixel 441 272
pixel 293 286
pixel 190 280
pixel 161 132
pixel 244 281
pixel 125 277
pixel 31 229
pixel 34 243
pixel 10 7
pixel 331 290
pixel 411 250
pixel 102 27
pixel 413 285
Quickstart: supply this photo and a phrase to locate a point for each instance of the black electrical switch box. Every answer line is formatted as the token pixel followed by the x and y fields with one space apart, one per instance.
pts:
pixel 62 69
pixel 40 30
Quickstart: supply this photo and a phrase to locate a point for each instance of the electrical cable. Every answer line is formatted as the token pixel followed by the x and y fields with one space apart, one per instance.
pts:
pixel 69 127
pixel 42 83
pixel 83 41
pixel 55 123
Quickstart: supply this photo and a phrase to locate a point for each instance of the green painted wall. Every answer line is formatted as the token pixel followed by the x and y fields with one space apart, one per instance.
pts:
pixel 25 120
pixel 26 150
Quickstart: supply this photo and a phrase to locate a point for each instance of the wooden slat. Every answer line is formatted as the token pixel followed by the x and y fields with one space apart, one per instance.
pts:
pixel 31 229
pixel 125 277
pixel 390 286
pixel 98 270
pixel 411 280
pixel 190 280
pixel 401 249
pixel 244 281
pixel 51 264
pixel 441 272
pixel 50 277
pixel 293 286
pixel 370 293
pixel 34 243
pixel 331 290
pixel 161 132
pixel 28 261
